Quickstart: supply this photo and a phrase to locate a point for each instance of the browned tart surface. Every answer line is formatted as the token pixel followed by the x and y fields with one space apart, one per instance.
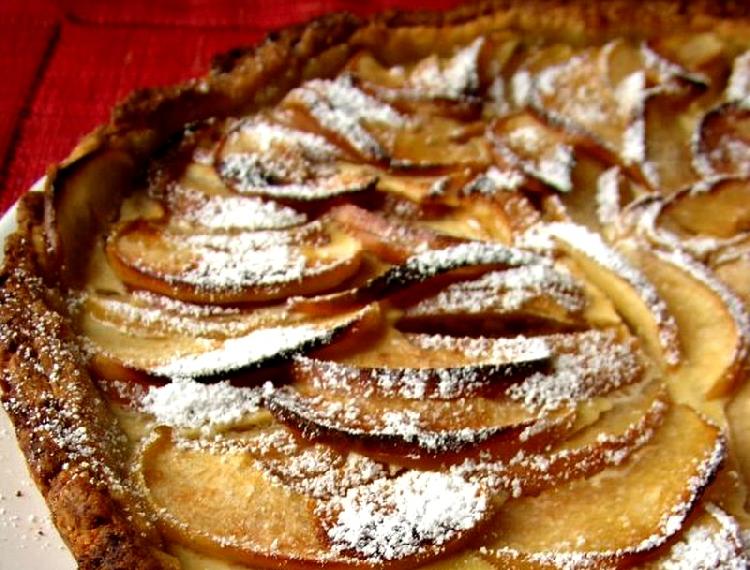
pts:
pixel 462 290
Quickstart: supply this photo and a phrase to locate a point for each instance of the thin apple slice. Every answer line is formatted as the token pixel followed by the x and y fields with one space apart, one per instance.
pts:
pixel 679 222
pixel 451 82
pixel 714 328
pixel 234 503
pixel 393 241
pixel 670 120
pixel 157 351
pixel 628 424
pixel 528 298
pixel 712 540
pixel 422 432
pixel 77 210
pixel 580 94
pixel 195 211
pixel 232 268
pixel 435 143
pixel 722 141
pixel 533 411
pixel 347 115
pixel 729 200
pixel 471 258
pixel 614 517
pixel 525 142
pixel 634 296
pixel 262 158
pixel 410 367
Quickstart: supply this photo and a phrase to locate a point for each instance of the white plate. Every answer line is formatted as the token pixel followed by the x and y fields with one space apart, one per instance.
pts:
pixel 28 539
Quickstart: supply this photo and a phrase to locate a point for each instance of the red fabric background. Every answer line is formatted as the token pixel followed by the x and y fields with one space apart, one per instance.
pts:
pixel 65 63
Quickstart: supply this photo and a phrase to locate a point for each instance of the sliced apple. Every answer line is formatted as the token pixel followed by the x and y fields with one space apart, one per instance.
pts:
pixel 471 257
pixel 729 200
pixel 262 158
pixel 670 121
pixel 425 432
pixel 534 410
pixel 231 268
pixel 714 328
pixel 634 296
pixel 391 240
pixel 156 350
pixel 528 298
pixel 451 84
pixel 227 503
pixel 192 211
pixel 346 115
pixel 537 150
pixel 614 517
pixel 627 423
pixel 712 540
pixel 433 143
pixel 424 367
pixel 722 141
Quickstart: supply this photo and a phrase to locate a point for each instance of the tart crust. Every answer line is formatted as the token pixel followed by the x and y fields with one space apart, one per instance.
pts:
pixel 70 439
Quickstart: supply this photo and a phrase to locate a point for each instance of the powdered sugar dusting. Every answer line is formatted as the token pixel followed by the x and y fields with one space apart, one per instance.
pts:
pixel 457 78
pixel 505 291
pixel 586 365
pixel 705 547
pixel 592 245
pixel 393 519
pixel 738 87
pixel 233 212
pixel 342 108
pixel 244 352
pixel 207 407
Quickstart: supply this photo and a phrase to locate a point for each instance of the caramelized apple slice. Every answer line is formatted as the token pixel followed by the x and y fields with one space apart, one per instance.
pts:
pixel 714 328
pixel 265 159
pixel 722 141
pixel 195 211
pixel 391 240
pixel 712 540
pixel 231 268
pixel 77 209
pixel 439 144
pixel 581 94
pixel 426 431
pixel 415 369
pixel 235 503
pixel 534 411
pixel 670 121
pixel 635 298
pixel 347 115
pixel 525 142
pixel 528 298
pixel 613 517
pixel 452 83
pixel 739 81
pixel 472 257
pixel 628 425
pixel 729 201
pixel 157 351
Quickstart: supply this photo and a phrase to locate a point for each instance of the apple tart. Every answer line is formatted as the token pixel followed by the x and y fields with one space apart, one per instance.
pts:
pixel 460 290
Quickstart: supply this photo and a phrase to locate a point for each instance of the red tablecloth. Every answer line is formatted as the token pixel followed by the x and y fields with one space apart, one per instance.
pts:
pixel 64 63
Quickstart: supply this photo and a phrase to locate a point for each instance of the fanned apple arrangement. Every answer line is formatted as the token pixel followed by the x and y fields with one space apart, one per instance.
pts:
pixel 481 309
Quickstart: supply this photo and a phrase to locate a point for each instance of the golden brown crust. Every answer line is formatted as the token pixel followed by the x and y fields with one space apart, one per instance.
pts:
pixel 45 387
pixel 70 440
